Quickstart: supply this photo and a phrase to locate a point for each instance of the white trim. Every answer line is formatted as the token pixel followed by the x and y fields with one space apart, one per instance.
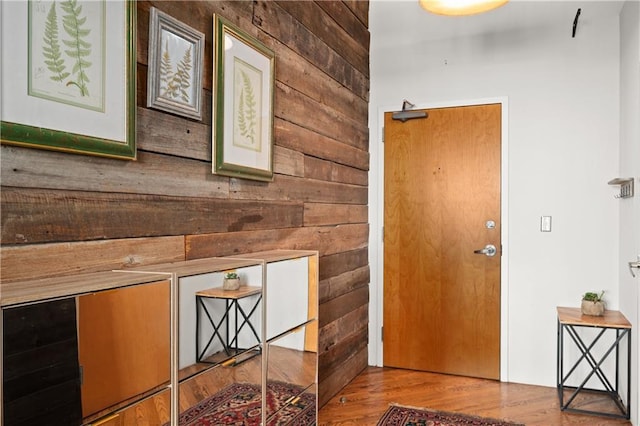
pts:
pixel 376 213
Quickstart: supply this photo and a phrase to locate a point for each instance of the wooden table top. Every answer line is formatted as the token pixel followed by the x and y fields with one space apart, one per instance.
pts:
pixel 220 293
pixel 610 319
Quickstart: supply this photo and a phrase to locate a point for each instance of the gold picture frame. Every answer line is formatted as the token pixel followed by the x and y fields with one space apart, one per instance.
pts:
pixel 244 78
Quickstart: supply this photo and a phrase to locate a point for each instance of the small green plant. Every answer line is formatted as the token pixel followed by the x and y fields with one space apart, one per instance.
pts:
pixel 593 297
pixel 231 275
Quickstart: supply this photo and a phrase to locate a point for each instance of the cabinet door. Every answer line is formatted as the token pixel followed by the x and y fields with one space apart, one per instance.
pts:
pixel 40 375
pixel 287 296
pixel 124 344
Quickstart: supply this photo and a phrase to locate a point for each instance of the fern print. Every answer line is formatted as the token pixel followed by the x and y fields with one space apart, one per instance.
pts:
pixel 247 110
pixel 183 76
pixel 165 67
pixel 51 47
pixel 179 82
pixel 78 47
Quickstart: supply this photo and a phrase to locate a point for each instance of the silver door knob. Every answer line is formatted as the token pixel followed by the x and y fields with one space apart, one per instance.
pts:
pixel 488 250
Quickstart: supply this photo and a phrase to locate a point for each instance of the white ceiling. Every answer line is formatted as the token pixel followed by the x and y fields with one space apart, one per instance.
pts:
pixel 391 21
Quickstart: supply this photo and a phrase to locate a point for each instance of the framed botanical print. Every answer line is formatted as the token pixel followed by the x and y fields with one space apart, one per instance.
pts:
pixel 68 76
pixel 243 104
pixel 176 52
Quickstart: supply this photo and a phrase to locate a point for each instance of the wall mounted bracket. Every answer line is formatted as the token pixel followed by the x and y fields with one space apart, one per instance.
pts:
pixel 633 265
pixel 626 187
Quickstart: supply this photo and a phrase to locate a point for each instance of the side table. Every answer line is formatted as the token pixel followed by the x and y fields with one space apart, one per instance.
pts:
pixel 613 322
pixel 232 305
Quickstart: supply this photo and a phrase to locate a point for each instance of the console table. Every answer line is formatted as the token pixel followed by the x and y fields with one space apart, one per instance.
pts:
pixel 613 324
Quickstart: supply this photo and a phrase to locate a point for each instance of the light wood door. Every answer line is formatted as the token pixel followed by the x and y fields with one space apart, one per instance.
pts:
pixel 442 186
pixel 123 343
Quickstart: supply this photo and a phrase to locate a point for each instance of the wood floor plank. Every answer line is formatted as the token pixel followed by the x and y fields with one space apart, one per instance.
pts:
pixel 365 399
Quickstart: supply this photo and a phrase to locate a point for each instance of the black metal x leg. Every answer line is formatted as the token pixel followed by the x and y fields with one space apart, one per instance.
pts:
pixel 596 369
pixel 216 328
pixel 245 321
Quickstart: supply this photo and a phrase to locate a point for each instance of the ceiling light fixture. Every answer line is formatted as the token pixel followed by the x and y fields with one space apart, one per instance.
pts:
pixel 460 7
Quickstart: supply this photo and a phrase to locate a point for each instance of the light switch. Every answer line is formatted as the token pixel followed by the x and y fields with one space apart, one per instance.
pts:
pixel 545 224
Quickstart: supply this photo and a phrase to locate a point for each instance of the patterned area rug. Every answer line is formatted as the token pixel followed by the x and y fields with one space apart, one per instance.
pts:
pixel 239 404
pixel 398 415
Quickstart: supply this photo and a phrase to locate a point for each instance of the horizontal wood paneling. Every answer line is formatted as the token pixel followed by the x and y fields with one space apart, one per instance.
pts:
pixel 65 213
pixel 322 25
pixel 168 134
pixel 340 377
pixel 344 283
pixel 334 356
pixel 348 325
pixel 288 162
pixel 315 168
pixel 279 24
pixel 327 240
pixel 292 188
pixel 298 108
pixel 151 174
pixel 306 141
pixel 53 216
pixel 334 214
pixel 349 20
pixel 49 260
pixel 360 9
pixel 339 263
pixel 338 307
pixel 294 71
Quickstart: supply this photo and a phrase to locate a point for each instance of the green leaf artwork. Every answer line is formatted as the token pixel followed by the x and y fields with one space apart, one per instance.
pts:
pixel 247 110
pixel 67 51
pixel 77 47
pixel 175 85
pixel 51 47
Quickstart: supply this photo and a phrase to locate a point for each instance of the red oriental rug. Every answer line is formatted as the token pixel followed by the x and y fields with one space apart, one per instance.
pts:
pixel 398 415
pixel 239 404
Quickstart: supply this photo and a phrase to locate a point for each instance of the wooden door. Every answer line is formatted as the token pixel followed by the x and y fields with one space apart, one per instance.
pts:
pixel 123 343
pixel 442 187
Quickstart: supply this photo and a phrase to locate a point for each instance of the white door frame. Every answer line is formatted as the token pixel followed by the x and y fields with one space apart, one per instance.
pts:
pixel 376 245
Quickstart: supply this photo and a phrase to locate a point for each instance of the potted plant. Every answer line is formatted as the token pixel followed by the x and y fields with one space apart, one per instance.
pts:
pixel 592 304
pixel 231 281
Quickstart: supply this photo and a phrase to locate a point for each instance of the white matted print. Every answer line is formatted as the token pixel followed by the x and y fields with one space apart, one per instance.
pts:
pixel 176 54
pixel 67 52
pixel 66 84
pixel 243 104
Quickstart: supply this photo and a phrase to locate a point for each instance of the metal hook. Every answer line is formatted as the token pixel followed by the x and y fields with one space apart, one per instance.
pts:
pixel 575 23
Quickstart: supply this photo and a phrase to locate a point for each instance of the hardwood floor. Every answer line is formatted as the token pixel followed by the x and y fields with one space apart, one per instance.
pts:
pixel 366 398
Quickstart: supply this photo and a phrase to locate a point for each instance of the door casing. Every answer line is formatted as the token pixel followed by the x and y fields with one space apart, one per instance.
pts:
pixel 376 249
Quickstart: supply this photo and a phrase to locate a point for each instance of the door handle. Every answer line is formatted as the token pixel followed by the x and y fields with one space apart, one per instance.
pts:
pixel 488 250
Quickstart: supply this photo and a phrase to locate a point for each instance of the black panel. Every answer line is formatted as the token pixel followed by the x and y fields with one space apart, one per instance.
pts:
pixel 41 373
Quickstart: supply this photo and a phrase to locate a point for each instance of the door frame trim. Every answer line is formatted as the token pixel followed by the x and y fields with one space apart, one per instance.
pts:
pixel 376 212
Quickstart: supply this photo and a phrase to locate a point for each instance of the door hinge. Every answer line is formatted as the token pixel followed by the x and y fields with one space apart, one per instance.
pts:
pixel 382 333
pixel 383 134
pixel 382 234
pixel 81 375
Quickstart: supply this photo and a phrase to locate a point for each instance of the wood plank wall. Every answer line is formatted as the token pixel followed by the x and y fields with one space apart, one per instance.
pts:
pixel 65 213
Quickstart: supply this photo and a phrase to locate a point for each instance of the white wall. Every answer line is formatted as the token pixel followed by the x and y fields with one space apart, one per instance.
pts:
pixel 630 166
pixel 563 121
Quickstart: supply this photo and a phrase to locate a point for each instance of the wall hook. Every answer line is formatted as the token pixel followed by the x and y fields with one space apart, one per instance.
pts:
pixel 575 23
